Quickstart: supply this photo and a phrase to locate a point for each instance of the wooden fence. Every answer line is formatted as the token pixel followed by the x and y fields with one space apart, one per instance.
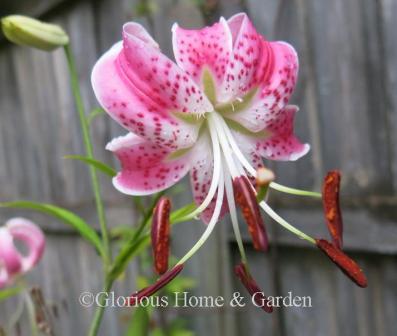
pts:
pixel 347 93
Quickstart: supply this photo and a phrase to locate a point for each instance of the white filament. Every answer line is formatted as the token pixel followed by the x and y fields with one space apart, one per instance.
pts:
pixel 211 224
pixel 233 214
pixel 284 223
pixel 215 176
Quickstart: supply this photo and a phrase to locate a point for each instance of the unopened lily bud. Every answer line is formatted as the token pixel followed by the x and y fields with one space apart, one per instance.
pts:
pixel 33 33
pixel 264 176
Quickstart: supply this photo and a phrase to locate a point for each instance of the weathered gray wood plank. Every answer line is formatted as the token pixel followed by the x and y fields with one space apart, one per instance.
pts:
pixel 348 132
pixel 388 10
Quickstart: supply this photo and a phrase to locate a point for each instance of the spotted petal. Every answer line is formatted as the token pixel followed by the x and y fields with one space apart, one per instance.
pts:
pixel 278 143
pixel 250 61
pixel 146 168
pixel 208 48
pixel 147 93
pixel 272 95
pixel 201 175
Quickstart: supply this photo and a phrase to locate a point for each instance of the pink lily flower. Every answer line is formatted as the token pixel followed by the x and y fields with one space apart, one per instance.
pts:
pixel 215 113
pixel 12 262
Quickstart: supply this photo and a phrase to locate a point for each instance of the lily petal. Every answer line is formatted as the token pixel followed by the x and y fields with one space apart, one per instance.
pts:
pixel 273 91
pixel 251 62
pixel 146 168
pixel 145 91
pixel 208 48
pixel 30 234
pixel 4 277
pixel 10 258
pixel 281 144
pixel 201 177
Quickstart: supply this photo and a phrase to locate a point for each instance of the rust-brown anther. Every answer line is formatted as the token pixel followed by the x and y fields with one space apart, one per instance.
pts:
pixel 252 287
pixel 160 234
pixel 345 263
pixel 246 200
pixel 160 283
pixel 331 206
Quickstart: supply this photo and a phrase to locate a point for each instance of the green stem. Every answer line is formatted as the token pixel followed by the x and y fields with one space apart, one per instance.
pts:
pixel 294 191
pixel 89 152
pixel 31 313
pixel 96 322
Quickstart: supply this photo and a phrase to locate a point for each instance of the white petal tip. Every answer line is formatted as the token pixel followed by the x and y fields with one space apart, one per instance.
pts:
pixel 296 156
pixel 120 142
pixel 174 27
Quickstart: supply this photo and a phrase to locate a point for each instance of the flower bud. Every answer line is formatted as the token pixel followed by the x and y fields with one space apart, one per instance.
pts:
pixel 33 33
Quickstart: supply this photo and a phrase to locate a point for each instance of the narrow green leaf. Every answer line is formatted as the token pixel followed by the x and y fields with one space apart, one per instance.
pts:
pixel 128 251
pixel 95 113
pixel 179 214
pixel 139 324
pixel 66 216
pixel 9 292
pixel 102 167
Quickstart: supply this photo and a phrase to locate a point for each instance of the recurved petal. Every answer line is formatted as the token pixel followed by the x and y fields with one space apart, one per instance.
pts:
pixel 146 168
pixel 201 175
pixel 251 61
pixel 273 91
pixel 147 93
pixel 207 48
pixel 10 258
pixel 32 236
pixel 276 142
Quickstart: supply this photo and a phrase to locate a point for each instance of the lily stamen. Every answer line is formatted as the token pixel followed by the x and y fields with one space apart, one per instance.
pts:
pixel 160 234
pixel 252 287
pixel 285 224
pixel 246 199
pixel 211 224
pixel 233 215
pixel 344 262
pixel 165 279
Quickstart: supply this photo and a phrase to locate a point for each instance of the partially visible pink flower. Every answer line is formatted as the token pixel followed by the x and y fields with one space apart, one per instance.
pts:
pixel 12 262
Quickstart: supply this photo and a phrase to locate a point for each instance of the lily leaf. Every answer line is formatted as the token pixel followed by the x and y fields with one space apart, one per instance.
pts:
pixel 66 216
pixel 129 250
pixel 102 167
pixel 9 292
